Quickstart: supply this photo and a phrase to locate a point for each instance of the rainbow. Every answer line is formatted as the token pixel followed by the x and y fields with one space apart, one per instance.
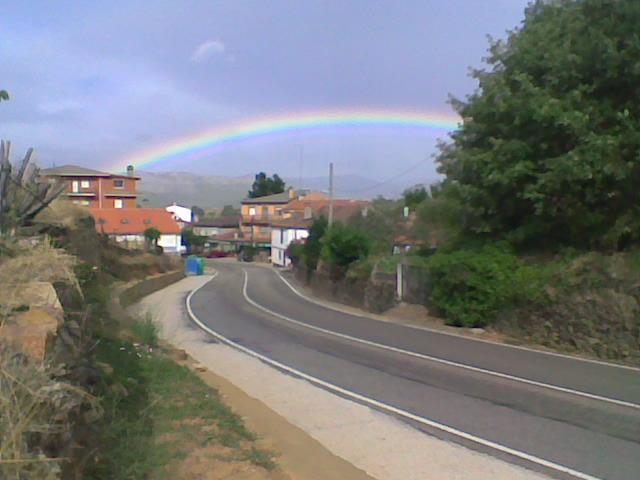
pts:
pixel 286 123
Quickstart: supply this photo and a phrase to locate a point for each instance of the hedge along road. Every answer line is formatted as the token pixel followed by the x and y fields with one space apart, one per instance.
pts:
pixel 559 432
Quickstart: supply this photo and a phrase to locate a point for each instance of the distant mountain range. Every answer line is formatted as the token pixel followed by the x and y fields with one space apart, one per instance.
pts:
pixel 212 191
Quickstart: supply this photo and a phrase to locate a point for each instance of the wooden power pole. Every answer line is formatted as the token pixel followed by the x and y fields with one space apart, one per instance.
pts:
pixel 330 194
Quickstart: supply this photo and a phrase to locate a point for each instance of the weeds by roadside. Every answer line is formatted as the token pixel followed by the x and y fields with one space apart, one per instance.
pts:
pixel 146 330
pixel 159 412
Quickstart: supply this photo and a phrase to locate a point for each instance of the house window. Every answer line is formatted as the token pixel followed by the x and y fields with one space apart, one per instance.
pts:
pixel 252 211
pixel 281 235
pixel 75 186
pixel 118 183
pixel 118 203
pixel 85 184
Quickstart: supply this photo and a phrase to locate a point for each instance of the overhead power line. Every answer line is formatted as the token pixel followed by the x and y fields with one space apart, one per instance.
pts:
pixel 395 177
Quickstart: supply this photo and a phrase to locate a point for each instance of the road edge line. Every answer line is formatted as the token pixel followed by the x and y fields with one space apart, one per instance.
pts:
pixel 450 334
pixel 578 393
pixel 380 405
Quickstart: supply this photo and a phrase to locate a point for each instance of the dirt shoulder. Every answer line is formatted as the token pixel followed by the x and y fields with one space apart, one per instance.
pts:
pixel 297 453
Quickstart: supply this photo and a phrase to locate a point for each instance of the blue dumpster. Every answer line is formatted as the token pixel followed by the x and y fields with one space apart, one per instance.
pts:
pixel 194 265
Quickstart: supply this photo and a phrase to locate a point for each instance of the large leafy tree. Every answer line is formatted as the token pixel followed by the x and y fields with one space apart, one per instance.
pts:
pixel 264 185
pixel 549 149
pixel 414 196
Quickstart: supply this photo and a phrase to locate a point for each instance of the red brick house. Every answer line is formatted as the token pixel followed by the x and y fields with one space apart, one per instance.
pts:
pixel 96 189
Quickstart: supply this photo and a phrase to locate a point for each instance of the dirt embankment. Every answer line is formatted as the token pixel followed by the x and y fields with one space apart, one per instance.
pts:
pixel 56 277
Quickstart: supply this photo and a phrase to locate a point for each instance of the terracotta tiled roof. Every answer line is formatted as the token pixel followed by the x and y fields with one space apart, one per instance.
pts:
pixel 77 171
pixel 293 222
pixel 276 198
pixel 133 221
pixel 220 222
pixel 343 210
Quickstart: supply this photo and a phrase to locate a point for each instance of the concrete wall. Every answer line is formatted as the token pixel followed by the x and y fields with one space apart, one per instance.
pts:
pixel 132 293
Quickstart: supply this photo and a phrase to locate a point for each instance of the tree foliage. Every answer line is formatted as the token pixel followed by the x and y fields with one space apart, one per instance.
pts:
pixel 229 211
pixel 264 185
pixel 152 235
pixel 191 240
pixel 549 151
pixel 414 196
pixel 197 213
pixel 380 223
pixel 313 245
pixel 344 244
pixel 4 95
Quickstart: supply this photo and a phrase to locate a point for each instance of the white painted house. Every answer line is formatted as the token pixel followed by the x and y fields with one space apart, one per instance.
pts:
pixel 127 226
pixel 283 233
pixel 181 214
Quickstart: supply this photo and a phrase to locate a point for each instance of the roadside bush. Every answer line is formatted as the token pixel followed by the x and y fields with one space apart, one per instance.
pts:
pixel 342 245
pixel 313 245
pixel 472 286
pixel 295 251
pixel 361 269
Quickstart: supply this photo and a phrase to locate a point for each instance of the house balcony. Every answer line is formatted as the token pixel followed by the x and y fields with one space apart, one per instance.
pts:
pixel 81 194
pixel 260 219
pixel 121 194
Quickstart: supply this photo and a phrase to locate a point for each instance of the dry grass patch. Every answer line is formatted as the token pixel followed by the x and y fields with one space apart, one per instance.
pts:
pixel 36 413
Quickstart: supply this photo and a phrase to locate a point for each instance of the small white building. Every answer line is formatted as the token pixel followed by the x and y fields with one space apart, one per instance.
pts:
pixel 285 232
pixel 182 215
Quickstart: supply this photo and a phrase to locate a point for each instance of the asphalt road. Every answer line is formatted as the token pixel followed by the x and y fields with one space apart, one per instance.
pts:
pixel 581 415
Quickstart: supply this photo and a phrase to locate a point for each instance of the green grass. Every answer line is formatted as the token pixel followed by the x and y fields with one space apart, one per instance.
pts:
pixel 157 411
pixel 146 330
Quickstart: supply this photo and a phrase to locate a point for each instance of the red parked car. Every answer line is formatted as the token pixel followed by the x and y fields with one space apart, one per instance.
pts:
pixel 218 254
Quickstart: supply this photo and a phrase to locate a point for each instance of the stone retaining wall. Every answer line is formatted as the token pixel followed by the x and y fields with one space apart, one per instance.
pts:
pixel 131 293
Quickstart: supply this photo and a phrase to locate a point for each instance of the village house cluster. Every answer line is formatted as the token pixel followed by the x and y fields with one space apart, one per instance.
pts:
pixel 268 224
pixel 112 200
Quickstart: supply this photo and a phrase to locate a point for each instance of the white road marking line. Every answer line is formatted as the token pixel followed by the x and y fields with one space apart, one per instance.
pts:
pixel 383 406
pixel 422 356
pixel 450 334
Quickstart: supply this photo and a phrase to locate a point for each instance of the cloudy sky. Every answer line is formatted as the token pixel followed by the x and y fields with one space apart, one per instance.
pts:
pixel 93 83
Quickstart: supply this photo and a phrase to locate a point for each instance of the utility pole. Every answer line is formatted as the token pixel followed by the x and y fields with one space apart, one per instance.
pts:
pixel 300 163
pixel 330 194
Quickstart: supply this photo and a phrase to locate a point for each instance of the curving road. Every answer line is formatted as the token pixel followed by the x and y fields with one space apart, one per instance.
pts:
pixel 565 417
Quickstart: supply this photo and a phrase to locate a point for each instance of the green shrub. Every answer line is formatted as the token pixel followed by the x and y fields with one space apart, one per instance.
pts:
pixel 313 244
pixel 146 330
pixel 342 245
pixel 361 269
pixel 295 251
pixel 472 286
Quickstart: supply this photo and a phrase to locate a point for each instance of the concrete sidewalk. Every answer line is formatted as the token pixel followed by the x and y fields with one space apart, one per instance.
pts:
pixel 378 444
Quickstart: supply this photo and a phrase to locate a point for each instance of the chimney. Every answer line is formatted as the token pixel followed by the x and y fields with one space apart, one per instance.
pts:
pixel 292 193
pixel 308 213
pixel 130 170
